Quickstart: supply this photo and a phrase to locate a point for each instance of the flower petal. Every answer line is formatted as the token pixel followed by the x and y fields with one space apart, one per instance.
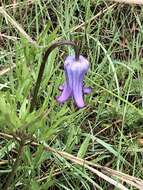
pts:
pixel 73 86
pixel 87 90
pixel 78 89
pixel 61 87
pixel 78 96
pixel 65 94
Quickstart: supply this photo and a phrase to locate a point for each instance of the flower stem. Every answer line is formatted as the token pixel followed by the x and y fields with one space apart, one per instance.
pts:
pixel 42 66
pixel 9 179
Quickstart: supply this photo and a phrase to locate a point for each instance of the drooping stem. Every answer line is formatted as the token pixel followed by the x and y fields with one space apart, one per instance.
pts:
pixel 42 66
pixel 15 166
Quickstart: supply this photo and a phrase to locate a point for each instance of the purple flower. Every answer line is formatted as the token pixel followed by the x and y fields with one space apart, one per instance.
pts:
pixel 73 85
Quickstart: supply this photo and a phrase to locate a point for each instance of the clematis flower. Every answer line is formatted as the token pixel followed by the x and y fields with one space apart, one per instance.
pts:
pixel 73 85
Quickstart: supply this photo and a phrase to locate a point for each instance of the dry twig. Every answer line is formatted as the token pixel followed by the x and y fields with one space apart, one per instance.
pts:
pixel 4 71
pixel 130 1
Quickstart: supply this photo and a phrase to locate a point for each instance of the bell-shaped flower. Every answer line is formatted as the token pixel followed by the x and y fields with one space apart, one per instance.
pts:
pixel 73 85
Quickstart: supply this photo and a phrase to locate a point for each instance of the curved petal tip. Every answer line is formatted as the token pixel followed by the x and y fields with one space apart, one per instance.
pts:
pixel 87 90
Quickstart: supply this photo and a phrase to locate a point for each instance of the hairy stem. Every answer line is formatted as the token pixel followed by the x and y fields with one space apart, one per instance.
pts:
pixel 9 179
pixel 42 66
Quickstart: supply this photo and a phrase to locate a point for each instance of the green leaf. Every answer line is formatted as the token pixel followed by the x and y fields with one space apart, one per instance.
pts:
pixel 4 151
pixel 71 139
pixel 111 149
pixel 83 149
pixel 44 33
pixel 8 115
pixel 34 185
